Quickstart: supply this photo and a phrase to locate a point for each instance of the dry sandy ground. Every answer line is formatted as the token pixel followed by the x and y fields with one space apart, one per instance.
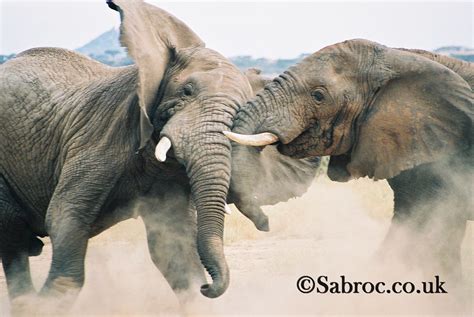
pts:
pixel 334 229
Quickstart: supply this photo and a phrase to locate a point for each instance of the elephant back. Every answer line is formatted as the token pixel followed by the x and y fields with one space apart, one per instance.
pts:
pixel 462 68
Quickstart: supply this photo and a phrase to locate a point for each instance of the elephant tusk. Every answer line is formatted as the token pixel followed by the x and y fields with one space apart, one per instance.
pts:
pixel 162 148
pixel 260 139
pixel 227 209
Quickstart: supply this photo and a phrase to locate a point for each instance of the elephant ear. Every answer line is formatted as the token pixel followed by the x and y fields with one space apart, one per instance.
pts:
pixel 422 112
pixel 256 79
pixel 337 168
pixel 150 35
pixel 266 177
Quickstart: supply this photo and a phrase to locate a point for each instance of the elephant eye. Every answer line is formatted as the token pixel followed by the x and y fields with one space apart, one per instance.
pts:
pixel 188 90
pixel 318 96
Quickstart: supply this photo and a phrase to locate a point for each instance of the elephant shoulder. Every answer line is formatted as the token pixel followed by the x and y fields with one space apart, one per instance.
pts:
pixel 57 54
pixel 56 66
pixel 47 76
pixel 64 58
pixel 52 71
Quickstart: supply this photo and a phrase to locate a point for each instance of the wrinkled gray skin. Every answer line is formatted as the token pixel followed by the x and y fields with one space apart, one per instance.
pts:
pixel 395 114
pixel 257 168
pixel 70 129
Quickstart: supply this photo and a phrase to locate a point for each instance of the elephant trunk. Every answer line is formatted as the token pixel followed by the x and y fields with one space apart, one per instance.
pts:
pixel 254 116
pixel 249 117
pixel 209 181
pixel 206 154
pixel 257 122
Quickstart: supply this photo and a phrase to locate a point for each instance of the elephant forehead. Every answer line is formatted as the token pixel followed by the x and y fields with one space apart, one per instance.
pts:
pixel 220 78
pixel 320 73
pixel 195 60
pixel 208 59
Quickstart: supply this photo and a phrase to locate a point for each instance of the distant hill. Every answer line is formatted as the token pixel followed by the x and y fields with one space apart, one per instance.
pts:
pixel 106 49
pixel 460 52
pixel 4 58
pixel 106 41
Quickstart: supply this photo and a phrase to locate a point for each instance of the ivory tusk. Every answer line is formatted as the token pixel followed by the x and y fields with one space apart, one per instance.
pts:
pixel 162 148
pixel 260 139
pixel 227 209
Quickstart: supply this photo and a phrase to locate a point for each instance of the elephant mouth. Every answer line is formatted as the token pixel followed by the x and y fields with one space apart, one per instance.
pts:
pixel 303 145
pixel 292 150
pixel 288 147
pixel 298 147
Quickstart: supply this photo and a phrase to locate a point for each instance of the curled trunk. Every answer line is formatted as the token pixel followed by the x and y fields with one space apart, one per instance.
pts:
pixel 269 105
pixel 249 117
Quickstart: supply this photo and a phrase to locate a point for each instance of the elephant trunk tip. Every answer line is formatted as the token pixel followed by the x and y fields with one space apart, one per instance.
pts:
pixel 216 289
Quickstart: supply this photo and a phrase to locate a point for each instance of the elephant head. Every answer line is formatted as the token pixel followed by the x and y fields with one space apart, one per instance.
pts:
pixel 263 176
pixel 375 110
pixel 187 94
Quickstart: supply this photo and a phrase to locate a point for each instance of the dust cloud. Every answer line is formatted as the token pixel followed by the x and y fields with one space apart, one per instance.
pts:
pixel 334 229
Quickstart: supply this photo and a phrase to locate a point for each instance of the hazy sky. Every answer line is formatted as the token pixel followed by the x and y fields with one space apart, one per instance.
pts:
pixel 257 28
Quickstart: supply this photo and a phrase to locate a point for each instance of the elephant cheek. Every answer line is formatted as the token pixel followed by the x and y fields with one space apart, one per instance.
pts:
pixel 294 151
pixel 309 143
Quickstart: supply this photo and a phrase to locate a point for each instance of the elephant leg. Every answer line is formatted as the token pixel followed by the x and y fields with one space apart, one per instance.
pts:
pixel 74 207
pixel 171 234
pixel 66 275
pixel 428 225
pixel 16 266
pixel 16 240
pixel 432 248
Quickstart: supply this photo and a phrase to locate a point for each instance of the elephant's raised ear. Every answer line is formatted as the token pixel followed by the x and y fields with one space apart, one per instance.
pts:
pixel 422 112
pixel 150 35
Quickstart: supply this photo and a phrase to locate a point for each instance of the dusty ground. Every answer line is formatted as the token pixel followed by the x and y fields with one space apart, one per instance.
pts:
pixel 334 229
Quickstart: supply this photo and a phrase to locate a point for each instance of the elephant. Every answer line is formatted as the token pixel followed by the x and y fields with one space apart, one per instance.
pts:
pixel 256 79
pixel 85 146
pixel 384 113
